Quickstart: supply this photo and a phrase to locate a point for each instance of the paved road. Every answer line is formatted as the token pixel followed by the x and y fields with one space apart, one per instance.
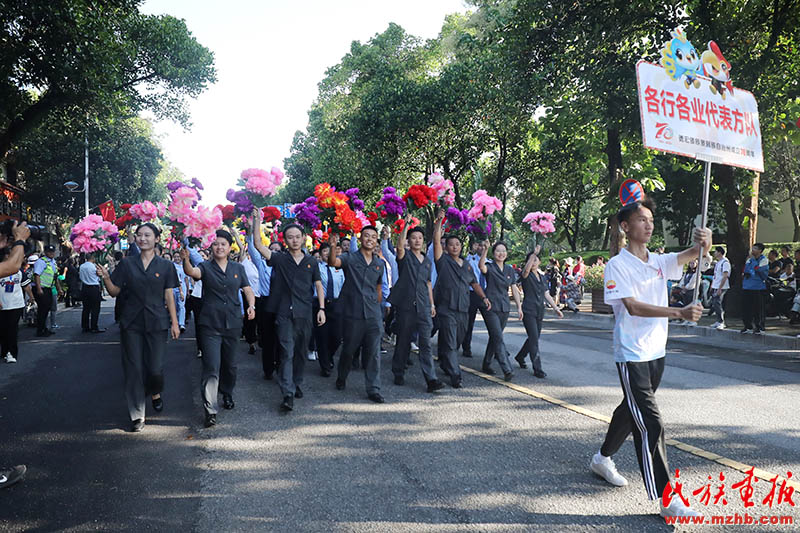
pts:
pixel 484 458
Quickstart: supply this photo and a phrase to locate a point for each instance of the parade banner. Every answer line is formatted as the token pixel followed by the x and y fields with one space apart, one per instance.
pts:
pixel 699 117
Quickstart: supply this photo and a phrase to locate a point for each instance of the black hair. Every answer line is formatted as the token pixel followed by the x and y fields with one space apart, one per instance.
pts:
pixel 373 228
pixel 153 227
pixel 293 225
pixel 773 252
pixel 499 243
pixel 118 256
pixel 278 243
pixel 451 236
pixel 416 229
pixel 528 257
pixel 720 249
pixel 225 235
pixel 323 246
pixel 784 247
pixel 160 249
pixel 626 211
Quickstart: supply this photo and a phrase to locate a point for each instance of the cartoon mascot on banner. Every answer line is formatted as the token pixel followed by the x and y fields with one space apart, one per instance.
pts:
pixel 681 60
pixel 718 69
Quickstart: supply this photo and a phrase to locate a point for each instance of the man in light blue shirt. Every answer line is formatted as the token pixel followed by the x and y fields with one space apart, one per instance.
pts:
pixel 473 258
pixel 90 293
pixel 268 340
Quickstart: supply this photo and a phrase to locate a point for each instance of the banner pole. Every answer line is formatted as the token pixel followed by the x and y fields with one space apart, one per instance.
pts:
pixel 703 224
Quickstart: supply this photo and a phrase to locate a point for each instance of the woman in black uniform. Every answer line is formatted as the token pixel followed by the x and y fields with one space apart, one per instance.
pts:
pixel 148 313
pixel 535 287
pixel 499 277
pixel 219 321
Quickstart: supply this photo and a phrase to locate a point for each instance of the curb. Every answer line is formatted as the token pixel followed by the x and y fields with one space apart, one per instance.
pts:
pixel 725 338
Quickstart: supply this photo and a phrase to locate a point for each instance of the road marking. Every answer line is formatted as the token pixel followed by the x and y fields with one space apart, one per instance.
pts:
pixel 688 448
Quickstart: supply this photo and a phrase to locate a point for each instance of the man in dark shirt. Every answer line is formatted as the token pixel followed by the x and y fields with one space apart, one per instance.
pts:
pixel 295 275
pixel 412 300
pixel 785 259
pixel 360 305
pixel 775 264
pixel 454 278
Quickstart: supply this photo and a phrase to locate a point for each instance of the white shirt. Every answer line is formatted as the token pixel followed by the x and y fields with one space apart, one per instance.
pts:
pixel 88 274
pixel 11 296
pixel 722 266
pixel 638 339
pixel 251 270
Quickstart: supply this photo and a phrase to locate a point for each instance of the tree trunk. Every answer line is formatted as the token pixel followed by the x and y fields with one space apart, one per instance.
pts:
pixel 795 221
pixel 613 238
pixel 752 212
pixel 737 240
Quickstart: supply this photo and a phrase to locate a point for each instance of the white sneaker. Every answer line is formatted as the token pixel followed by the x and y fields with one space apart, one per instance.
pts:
pixel 10 358
pixel 720 326
pixel 606 469
pixel 715 324
pixel 414 347
pixel 677 508
pixel 689 323
pixel 312 356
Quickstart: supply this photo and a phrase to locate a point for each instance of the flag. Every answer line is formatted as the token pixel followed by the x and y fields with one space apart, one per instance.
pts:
pixel 107 211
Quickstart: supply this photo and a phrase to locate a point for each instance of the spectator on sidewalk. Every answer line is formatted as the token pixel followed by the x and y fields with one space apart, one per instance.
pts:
pixel 720 285
pixel 754 289
pixel 683 292
pixel 785 259
pixel 45 279
pixel 12 303
pixel 775 264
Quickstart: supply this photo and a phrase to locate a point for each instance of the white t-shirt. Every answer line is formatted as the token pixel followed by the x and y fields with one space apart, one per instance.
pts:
pixel 636 338
pixel 722 266
pixel 11 296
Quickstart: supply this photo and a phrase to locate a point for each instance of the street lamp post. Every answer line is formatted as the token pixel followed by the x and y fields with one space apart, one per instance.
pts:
pixel 72 186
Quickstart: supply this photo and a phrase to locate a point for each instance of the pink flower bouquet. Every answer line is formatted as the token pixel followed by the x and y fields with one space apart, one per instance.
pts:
pixel 483 205
pixel 259 184
pixel 445 189
pixel 93 235
pixel 540 222
pixel 197 224
pixel 147 211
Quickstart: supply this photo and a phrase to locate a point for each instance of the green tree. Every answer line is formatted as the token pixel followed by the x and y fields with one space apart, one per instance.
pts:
pixel 101 58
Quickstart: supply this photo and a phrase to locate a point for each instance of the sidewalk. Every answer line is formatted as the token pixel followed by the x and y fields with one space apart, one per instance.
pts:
pixel 779 336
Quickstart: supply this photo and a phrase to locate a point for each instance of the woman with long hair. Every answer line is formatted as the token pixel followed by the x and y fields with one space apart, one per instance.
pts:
pixel 145 317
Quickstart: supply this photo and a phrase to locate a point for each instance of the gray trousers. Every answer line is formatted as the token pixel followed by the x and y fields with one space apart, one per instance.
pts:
pixel 293 335
pixel 406 324
pixel 718 305
pixel 496 348
pixel 452 328
pixel 142 361
pixel 219 364
pixel 533 327
pixel 364 334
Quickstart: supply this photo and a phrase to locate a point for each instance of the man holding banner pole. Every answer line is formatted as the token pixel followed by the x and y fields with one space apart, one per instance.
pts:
pixel 636 288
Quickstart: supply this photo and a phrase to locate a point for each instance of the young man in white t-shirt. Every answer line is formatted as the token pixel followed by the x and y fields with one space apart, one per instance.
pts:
pixel 636 288
pixel 720 285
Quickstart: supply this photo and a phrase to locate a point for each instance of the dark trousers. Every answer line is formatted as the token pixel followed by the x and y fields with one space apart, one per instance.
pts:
pixel 329 335
pixel 753 309
pixel 219 365
pixel 142 362
pixel 533 327
pixel 474 305
pixel 268 339
pixel 293 334
pixel 365 335
pixel 91 307
pixel 44 302
pixel 197 305
pixel 407 323
pixel 9 322
pixel 496 347
pixel 452 328
pixel 250 328
pixel 638 414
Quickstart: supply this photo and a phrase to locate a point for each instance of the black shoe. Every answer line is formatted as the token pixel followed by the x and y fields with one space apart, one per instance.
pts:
pixel 540 374
pixel 298 392
pixel 744 330
pixel 521 361
pixel 252 349
pixel 158 404
pixel 211 420
pixel 468 355
pixel 508 376
pixel 227 401
pixel 488 370
pixel 399 380
pixel 435 385
pixel 183 330
pixel 98 330
pixel 325 373
pixel 457 384
pixel 758 331
pixel 287 404
pixel 375 397
pixel 12 475
pixel 340 384
pixel 137 425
